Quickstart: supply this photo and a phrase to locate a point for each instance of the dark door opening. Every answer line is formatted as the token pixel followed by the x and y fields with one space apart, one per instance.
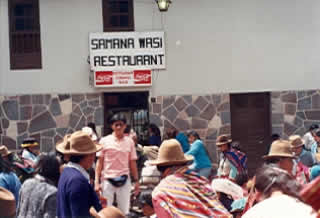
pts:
pixel 251 125
pixel 134 105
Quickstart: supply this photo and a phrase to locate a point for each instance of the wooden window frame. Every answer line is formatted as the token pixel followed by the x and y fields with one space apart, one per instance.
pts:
pixel 25 45
pixel 107 14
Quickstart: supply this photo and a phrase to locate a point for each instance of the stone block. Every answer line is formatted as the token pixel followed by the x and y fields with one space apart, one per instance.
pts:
pixel 290 109
pixel 37 109
pixel 42 122
pixel 62 120
pixel 94 103
pixel 298 122
pixel 48 133
pixel 5 123
pixel 304 104
pixel 225 129
pixel 215 122
pixel 81 123
pixel 98 116
pixel 200 103
pixel 156 120
pixel 47 144
pixel 47 99
pixel 62 131
pixel 209 112
pixel 180 104
pixel 168 101
pixel 275 94
pixel 301 115
pixel 10 108
pixel 197 123
pixel 55 108
pixel 77 111
pixel 9 142
pixel 289 129
pixel 74 119
pixel 66 106
pixel 182 124
pixel 20 139
pixel 88 110
pixel 316 101
pixel 25 99
pixel 12 130
pixel 290 97
pixel 277 130
pixel 289 118
pixel 83 105
pixel 26 112
pixel 277 105
pixel 170 113
pixel 212 134
pixel 156 108
pixel 187 99
pixel 91 96
pixel 216 100
pixel 37 99
pixel 224 107
pixel 225 117
pixel 167 125
pixel 192 111
pixel 22 127
pixel 302 94
pixel 313 115
pixel 77 98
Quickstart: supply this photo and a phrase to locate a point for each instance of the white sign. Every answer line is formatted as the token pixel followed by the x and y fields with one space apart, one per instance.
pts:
pixel 125 51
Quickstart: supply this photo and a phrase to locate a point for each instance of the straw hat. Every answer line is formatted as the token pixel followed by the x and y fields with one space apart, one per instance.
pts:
pixel 280 148
pixel 170 153
pixel 78 143
pixel 29 142
pixel 222 140
pixel 227 187
pixel 7 203
pixel 296 141
pixel 108 212
pixel 4 151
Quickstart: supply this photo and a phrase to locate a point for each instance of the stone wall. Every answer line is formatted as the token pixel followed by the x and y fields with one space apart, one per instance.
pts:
pixel 208 115
pixel 47 117
pixel 294 111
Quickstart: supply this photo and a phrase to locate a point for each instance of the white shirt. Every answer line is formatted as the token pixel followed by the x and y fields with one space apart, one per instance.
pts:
pixel 280 206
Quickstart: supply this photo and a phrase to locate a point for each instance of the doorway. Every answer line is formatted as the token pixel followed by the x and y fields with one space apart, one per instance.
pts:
pixel 134 105
pixel 251 125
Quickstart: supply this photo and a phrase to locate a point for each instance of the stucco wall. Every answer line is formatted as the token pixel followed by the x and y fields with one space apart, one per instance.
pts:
pixel 212 46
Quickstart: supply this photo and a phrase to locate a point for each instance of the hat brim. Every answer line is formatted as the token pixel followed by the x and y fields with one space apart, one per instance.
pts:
pixel 30 145
pixel 61 148
pixel 267 157
pixel 223 143
pixel 188 158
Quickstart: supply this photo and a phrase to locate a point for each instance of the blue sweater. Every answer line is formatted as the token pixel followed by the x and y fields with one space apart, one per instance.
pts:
pixel 75 195
pixel 11 182
pixel 201 158
pixel 182 138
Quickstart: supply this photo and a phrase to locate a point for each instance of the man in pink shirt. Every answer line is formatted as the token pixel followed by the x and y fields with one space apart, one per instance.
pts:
pixel 116 167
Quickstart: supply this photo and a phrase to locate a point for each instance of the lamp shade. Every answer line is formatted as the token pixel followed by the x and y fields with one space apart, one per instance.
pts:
pixel 163 5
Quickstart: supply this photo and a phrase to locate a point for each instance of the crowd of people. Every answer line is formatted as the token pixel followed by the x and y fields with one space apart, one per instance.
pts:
pixel 89 176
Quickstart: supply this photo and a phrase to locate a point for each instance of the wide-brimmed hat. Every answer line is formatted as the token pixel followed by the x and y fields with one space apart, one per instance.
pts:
pixel 170 153
pixel 4 151
pixel 296 141
pixel 223 139
pixel 280 148
pixel 228 187
pixel 29 142
pixel 78 143
pixel 107 212
pixel 7 203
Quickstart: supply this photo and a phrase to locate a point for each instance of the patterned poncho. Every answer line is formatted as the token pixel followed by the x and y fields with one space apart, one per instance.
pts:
pixel 186 194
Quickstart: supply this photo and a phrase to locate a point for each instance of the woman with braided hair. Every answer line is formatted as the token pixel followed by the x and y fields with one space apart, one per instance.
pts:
pixel 277 194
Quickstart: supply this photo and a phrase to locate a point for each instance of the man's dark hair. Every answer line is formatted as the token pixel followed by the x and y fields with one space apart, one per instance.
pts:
pixel 118 117
pixel 93 127
pixel 313 127
pixel 76 158
pixel 48 166
pixel 194 134
pixel 145 197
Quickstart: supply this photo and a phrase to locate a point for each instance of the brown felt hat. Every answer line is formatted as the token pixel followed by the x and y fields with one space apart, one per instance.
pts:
pixel 170 153
pixel 7 203
pixel 280 148
pixel 4 151
pixel 222 140
pixel 296 141
pixel 78 143
pixel 108 212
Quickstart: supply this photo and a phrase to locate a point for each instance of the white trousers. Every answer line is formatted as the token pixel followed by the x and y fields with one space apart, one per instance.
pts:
pixel 122 193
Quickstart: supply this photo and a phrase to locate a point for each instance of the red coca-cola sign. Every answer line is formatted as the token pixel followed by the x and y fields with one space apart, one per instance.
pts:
pixel 103 78
pixel 142 77
pixel 121 79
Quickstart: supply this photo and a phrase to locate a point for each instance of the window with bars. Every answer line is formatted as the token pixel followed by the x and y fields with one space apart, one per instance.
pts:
pixel 118 15
pixel 24 33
